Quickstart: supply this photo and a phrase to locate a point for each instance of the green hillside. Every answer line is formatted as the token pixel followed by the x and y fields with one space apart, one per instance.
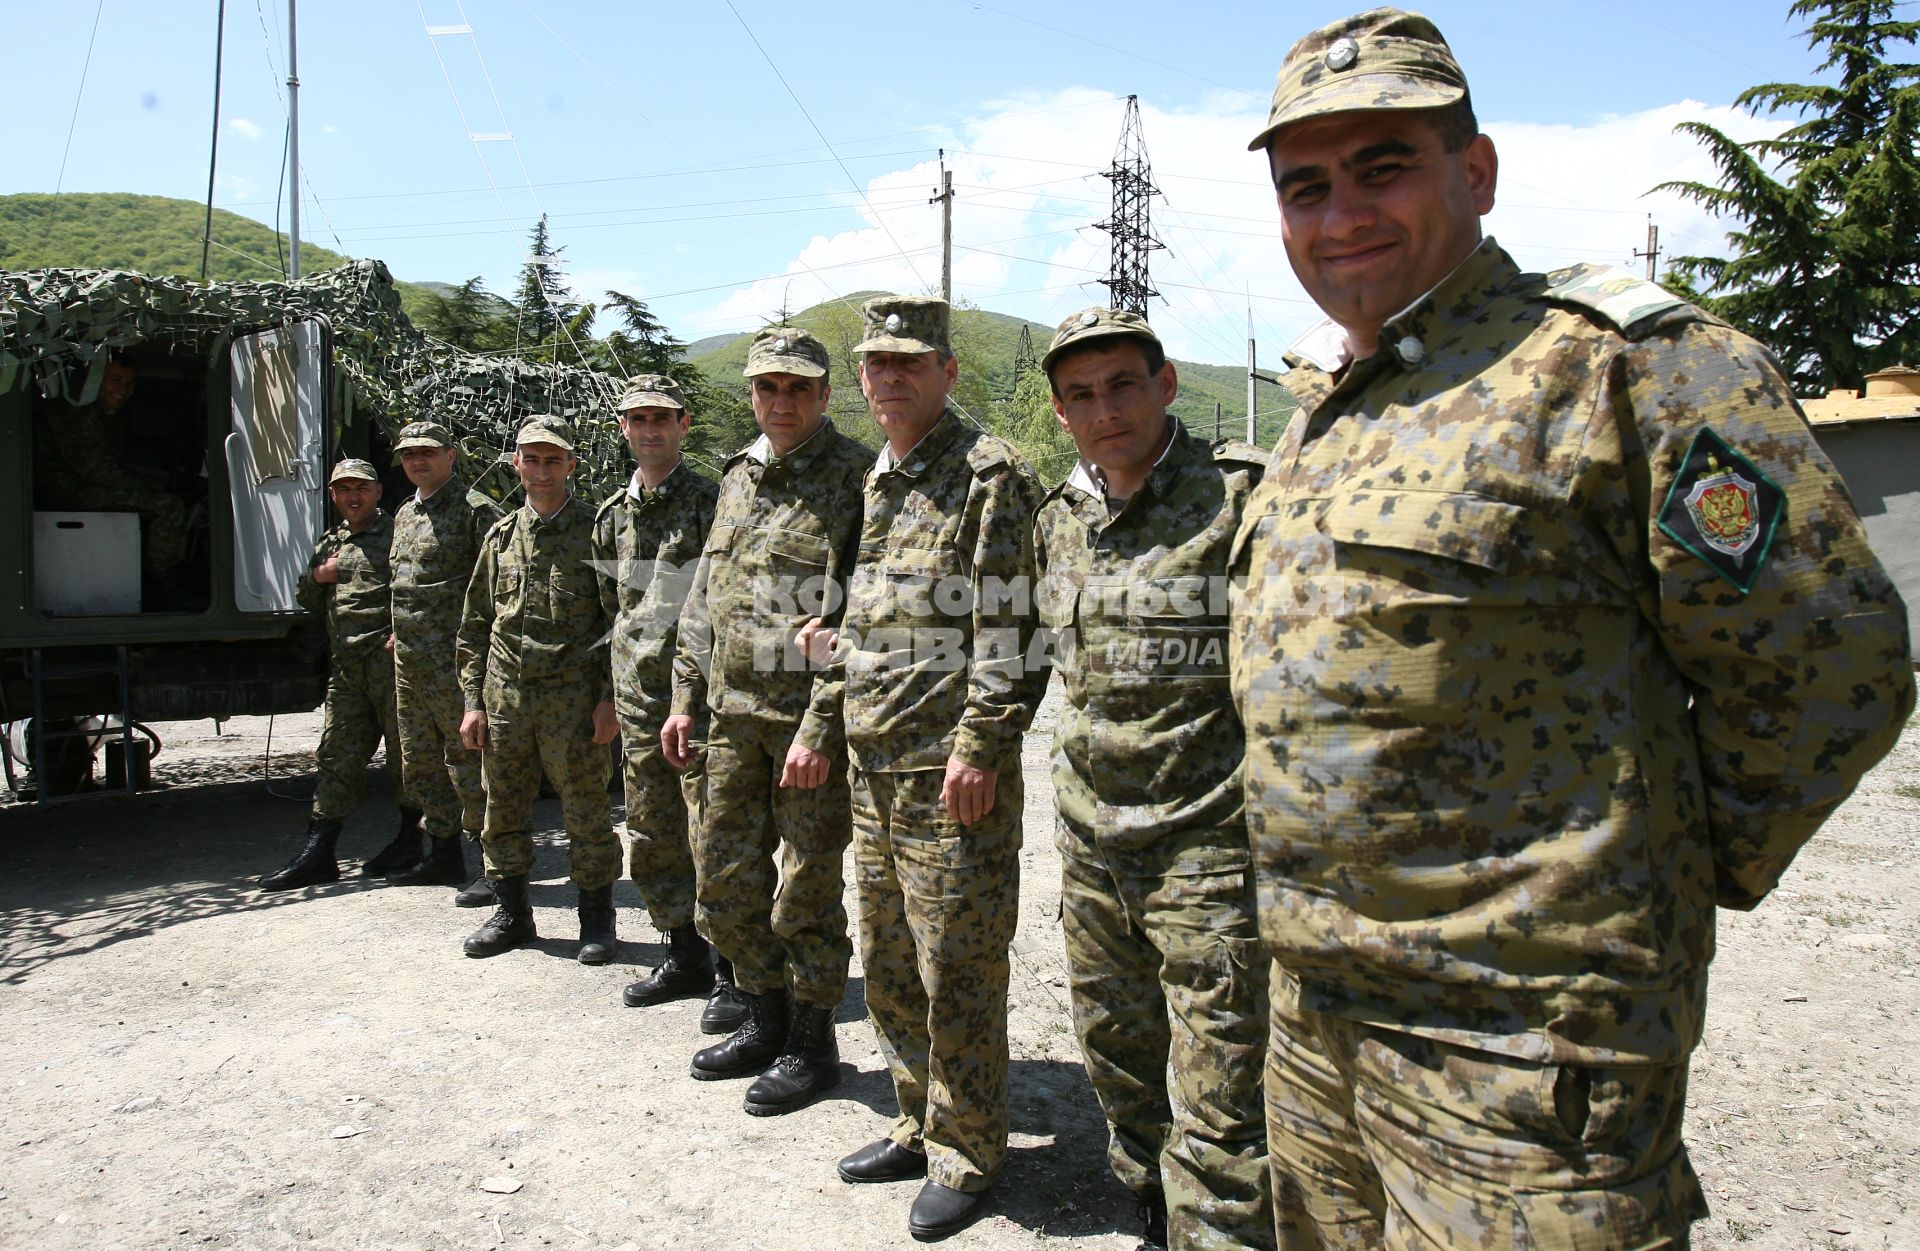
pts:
pixel 988 344
pixel 153 235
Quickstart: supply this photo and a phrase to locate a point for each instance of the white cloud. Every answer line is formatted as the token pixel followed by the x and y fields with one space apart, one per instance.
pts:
pixel 1027 176
pixel 250 131
pixel 236 187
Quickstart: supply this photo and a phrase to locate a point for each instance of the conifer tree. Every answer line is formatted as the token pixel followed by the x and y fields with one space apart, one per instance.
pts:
pixel 1826 263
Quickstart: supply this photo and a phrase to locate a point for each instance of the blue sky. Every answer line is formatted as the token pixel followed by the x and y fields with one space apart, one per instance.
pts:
pixel 718 159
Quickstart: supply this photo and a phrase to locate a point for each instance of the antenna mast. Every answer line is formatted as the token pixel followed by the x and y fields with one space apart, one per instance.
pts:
pixel 1129 225
pixel 293 146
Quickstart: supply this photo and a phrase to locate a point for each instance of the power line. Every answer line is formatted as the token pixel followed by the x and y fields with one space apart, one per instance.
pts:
pixel 878 219
pixel 79 94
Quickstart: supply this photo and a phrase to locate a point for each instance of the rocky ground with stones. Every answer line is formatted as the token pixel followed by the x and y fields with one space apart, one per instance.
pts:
pixel 187 1062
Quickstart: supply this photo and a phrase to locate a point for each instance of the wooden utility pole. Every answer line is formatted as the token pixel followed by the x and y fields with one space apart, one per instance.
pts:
pixel 1653 250
pixel 944 198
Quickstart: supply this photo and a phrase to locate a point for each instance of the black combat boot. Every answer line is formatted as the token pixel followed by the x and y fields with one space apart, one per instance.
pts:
pixel 511 924
pixel 403 852
pixel 753 1046
pixel 445 865
pixel 686 972
pixel 1153 1216
pixel 596 924
pixel 726 1011
pixel 314 864
pixel 809 1066
pixel 479 892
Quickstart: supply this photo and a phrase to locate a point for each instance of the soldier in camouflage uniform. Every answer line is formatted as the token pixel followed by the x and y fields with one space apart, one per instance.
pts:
pixel 346 583
pixel 1559 632
pixel 1168 982
pixel 775 824
pixel 539 695
pixel 646 543
pixel 932 683
pixel 436 539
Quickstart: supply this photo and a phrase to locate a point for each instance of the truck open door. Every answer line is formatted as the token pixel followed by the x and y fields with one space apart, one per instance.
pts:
pixel 276 459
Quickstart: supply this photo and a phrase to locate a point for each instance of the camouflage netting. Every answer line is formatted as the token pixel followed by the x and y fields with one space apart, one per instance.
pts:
pixel 57 326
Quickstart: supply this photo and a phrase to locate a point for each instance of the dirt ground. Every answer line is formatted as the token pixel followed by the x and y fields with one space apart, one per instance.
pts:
pixel 188 1062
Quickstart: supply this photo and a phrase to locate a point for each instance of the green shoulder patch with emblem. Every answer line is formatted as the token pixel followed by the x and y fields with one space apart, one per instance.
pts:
pixel 1723 510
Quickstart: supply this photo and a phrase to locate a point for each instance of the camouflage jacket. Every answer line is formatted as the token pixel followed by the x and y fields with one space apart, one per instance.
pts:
pixel 358 608
pixel 533 611
pixel 645 552
pixel 782 538
pixel 435 545
pixel 939 612
pixel 1148 746
pixel 1515 724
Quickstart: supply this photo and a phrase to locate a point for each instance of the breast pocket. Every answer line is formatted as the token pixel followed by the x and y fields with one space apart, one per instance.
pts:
pixel 797 562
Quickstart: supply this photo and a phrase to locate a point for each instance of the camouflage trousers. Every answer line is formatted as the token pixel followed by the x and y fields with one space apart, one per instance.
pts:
pixel 546 728
pixel 1169 990
pixel 359 713
pixel 1381 1138
pixel 440 774
pixel 770 894
pixel 659 801
pixel 938 906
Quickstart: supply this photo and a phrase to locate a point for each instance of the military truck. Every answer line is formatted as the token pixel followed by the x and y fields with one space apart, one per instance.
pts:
pixel 164 449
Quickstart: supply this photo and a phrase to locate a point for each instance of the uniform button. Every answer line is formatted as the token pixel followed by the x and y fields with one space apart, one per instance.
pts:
pixel 1410 350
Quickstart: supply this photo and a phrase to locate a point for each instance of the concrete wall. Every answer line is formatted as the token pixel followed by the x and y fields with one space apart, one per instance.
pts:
pixel 1881 464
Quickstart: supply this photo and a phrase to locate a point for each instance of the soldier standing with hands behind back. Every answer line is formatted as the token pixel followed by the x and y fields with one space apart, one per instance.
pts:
pixel 1559 632
pixel 646 544
pixel 1163 948
pixel 436 540
pixel 539 695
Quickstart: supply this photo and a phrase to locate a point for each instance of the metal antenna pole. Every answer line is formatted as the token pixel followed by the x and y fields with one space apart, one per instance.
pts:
pixel 1130 224
pixel 293 143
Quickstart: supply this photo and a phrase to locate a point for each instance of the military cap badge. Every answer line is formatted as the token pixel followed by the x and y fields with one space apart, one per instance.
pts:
pixel 893 323
pixel 1343 52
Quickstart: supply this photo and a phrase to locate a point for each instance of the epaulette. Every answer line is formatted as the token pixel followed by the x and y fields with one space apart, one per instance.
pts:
pixel 502 530
pixel 989 453
pixel 1630 304
pixel 609 503
pixel 480 500
pixel 1239 452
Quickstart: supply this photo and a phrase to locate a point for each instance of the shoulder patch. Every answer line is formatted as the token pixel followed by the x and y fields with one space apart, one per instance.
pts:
pixel 1619 298
pixel 608 504
pixel 1723 509
pixel 480 501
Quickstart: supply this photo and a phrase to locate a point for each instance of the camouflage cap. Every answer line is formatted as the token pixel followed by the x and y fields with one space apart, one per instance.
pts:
pixel 905 323
pixel 786 350
pixel 651 391
pixel 1094 323
pixel 545 428
pixel 1380 59
pixel 353 467
pixel 424 434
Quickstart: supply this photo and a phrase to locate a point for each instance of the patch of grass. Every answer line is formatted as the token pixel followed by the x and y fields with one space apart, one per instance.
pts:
pixel 1907 792
pixel 1742 1231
